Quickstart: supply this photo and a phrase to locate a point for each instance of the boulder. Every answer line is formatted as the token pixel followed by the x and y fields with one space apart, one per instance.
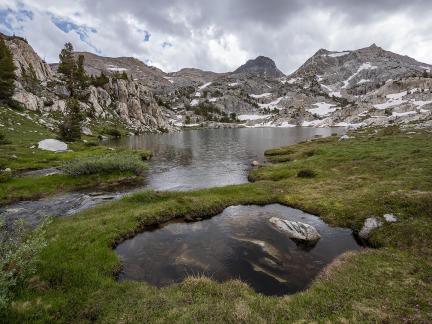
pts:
pixel 390 218
pixel 52 145
pixel 344 138
pixel 370 224
pixel 86 131
pixel 296 230
pixel 255 163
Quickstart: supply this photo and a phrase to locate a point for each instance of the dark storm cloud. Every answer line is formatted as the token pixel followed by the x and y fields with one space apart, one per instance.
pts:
pixel 220 34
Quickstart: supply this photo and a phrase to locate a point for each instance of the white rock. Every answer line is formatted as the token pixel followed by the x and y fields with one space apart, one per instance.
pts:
pixel 370 224
pixel 86 131
pixel 255 163
pixel 390 218
pixel 344 138
pixel 52 145
pixel 296 230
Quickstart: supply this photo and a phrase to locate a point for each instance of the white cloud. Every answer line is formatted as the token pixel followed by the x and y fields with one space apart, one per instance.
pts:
pixel 222 35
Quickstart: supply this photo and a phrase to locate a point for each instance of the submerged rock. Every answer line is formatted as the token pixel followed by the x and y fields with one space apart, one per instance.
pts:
pixel 296 230
pixel 370 224
pixel 52 145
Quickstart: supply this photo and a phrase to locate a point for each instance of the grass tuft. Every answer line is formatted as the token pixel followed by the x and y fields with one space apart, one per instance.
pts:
pixel 105 164
pixel 306 173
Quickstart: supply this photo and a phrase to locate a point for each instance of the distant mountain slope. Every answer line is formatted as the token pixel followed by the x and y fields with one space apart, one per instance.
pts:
pixel 196 75
pixel 261 65
pixel 365 68
pixel 138 70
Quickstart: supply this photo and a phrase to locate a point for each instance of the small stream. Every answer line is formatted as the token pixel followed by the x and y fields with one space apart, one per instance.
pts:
pixel 186 160
pixel 239 243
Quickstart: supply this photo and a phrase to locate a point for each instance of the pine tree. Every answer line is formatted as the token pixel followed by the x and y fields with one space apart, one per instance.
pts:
pixel 68 67
pixel 81 73
pixel 7 72
pixel 70 130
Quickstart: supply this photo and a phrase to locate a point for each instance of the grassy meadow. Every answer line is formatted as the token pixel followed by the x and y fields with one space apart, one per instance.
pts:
pixel 344 182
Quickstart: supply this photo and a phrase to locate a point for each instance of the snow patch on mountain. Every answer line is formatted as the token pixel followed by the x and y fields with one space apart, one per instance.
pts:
pixel 338 54
pixel 364 66
pixel 115 68
pixel 263 95
pixel 205 85
pixel 194 102
pixel 272 104
pixel 394 99
pixel 252 117
pixel 323 109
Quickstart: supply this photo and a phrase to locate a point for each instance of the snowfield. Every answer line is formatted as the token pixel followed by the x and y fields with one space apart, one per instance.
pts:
pixel 263 95
pixel 272 104
pixel 394 99
pixel 323 109
pixel 252 117
pixel 115 68
pixel 338 54
pixel 205 85
pixel 364 66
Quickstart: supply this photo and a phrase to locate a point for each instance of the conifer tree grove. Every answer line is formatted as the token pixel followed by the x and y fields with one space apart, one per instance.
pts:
pixel 75 78
pixel 7 72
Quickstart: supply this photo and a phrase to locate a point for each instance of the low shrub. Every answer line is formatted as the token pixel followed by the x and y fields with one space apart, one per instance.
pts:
pixel 105 164
pixel 91 144
pixel 15 105
pixel 19 251
pixel 144 154
pixel 309 153
pixel 306 173
pixel 390 130
pixel 3 140
pixel 112 132
pixel 5 175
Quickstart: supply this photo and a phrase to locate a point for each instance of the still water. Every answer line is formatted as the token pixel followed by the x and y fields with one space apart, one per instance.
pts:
pixel 181 161
pixel 212 157
pixel 239 243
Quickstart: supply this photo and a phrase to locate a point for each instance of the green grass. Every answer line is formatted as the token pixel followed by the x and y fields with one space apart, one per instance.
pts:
pixel 367 175
pixel 109 168
pixel 31 188
pixel 107 164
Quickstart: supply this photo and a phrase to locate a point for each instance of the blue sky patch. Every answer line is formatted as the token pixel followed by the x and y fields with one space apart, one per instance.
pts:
pixel 68 26
pixel 166 45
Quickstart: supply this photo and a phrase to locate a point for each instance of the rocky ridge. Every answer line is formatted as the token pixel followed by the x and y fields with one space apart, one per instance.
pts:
pixel 364 87
pixel 39 88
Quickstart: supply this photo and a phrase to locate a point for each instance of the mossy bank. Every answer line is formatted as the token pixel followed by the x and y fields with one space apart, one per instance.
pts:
pixel 372 173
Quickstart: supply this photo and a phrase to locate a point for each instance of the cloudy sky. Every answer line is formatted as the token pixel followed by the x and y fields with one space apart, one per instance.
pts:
pixel 220 35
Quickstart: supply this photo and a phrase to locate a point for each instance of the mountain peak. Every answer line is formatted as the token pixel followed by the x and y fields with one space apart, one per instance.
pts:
pixel 261 65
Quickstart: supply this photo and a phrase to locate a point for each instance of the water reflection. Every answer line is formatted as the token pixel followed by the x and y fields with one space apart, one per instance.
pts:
pixel 212 157
pixel 239 243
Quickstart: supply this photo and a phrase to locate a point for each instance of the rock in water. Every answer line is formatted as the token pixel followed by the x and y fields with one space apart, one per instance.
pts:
pixel 296 230
pixel 370 224
pixel 255 163
pixel 52 145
